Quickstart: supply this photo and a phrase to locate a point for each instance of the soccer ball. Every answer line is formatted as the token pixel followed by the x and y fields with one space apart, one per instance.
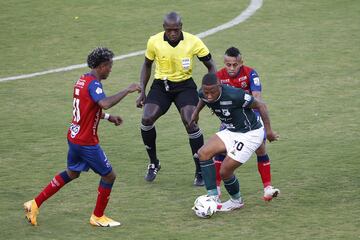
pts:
pixel 204 206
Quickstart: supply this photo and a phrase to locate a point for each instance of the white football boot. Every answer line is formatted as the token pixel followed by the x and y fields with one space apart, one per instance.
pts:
pixel 231 205
pixel 270 192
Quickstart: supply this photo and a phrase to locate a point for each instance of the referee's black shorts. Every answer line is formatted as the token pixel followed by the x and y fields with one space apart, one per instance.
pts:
pixel 181 93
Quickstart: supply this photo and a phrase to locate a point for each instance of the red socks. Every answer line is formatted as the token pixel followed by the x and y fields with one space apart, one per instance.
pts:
pixel 264 169
pixel 104 191
pixel 56 183
pixel 217 169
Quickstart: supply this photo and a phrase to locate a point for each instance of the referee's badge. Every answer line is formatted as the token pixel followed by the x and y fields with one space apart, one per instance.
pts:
pixel 185 63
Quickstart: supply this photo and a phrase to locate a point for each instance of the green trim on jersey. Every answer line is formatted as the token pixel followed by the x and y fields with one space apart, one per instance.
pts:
pixel 232 108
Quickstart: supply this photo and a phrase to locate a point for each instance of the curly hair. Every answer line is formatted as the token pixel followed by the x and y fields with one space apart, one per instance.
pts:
pixel 98 56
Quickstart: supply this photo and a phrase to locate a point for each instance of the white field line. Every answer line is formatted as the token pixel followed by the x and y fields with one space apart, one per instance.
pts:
pixel 248 12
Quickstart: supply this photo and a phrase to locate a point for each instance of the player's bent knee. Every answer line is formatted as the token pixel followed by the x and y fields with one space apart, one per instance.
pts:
pixel 225 174
pixel 110 178
pixel 147 120
pixel 203 154
pixel 72 174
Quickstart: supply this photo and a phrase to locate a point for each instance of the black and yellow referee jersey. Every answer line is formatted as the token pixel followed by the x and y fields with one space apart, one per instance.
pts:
pixel 174 63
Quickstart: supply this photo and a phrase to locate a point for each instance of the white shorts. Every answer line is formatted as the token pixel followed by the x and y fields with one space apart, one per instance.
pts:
pixel 240 146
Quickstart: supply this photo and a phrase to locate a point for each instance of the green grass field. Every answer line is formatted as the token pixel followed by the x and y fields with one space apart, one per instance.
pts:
pixel 307 54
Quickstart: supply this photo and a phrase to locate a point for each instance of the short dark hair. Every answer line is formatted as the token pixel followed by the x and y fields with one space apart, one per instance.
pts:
pixel 210 79
pixel 99 55
pixel 172 17
pixel 232 52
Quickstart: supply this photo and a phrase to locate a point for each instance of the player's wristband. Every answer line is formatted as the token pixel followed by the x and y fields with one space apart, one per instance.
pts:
pixel 106 116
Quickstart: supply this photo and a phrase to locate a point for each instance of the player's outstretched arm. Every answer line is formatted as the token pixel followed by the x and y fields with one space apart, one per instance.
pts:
pixel 261 106
pixel 144 79
pixel 195 114
pixel 108 102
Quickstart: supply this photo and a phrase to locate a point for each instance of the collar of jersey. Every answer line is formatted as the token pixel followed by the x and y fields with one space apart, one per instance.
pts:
pixel 219 94
pixel 173 44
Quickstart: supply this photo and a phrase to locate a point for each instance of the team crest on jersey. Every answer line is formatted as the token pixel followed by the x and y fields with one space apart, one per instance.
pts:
pixel 225 112
pixel 99 90
pixel 74 130
pixel 243 85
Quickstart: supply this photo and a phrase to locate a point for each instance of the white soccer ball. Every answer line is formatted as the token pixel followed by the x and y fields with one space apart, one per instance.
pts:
pixel 204 206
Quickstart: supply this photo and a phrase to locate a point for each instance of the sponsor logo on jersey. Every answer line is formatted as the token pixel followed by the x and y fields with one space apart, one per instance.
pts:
pixel 99 90
pixel 225 102
pixel 242 78
pixel 225 80
pixel 228 125
pixel 80 83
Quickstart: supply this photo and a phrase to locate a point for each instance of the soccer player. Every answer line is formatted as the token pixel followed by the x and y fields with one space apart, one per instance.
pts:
pixel 236 74
pixel 244 133
pixel 84 150
pixel 172 51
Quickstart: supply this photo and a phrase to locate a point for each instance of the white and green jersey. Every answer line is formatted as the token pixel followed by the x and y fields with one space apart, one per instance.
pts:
pixel 232 108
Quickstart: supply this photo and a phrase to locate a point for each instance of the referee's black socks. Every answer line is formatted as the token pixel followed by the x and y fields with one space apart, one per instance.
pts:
pixel 148 134
pixel 196 141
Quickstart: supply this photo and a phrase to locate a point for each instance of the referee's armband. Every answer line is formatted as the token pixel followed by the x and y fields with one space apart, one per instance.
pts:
pixel 205 58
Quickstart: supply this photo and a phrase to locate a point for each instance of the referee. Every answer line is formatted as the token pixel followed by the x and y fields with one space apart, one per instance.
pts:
pixel 173 52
